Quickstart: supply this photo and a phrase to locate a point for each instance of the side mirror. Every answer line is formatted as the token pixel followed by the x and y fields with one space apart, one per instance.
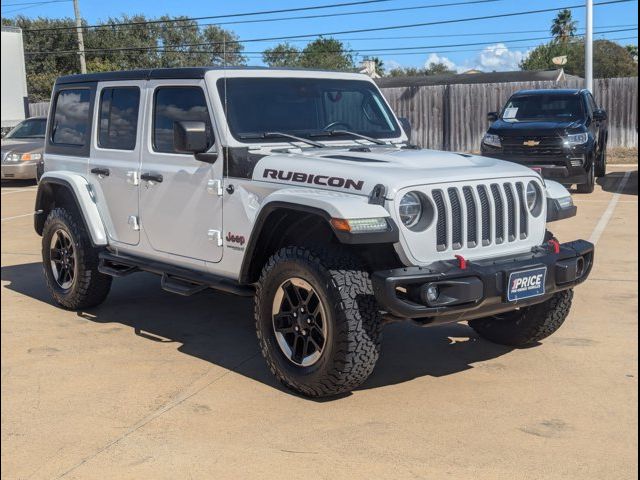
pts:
pixel 406 126
pixel 190 137
pixel 599 115
pixel 492 116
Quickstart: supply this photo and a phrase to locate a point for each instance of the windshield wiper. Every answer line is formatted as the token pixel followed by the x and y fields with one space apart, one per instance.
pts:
pixel 336 133
pixel 283 135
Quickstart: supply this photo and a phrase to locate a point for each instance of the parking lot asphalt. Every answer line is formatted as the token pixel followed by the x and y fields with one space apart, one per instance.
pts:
pixel 153 385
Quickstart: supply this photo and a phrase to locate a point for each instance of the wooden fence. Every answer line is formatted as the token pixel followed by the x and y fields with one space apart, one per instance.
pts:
pixel 454 117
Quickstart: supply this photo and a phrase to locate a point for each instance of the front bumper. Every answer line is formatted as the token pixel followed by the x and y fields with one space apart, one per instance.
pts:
pixel 19 171
pixel 558 168
pixel 480 290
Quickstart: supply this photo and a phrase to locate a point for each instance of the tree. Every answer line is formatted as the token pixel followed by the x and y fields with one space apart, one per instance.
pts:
pixel 322 53
pixel 282 55
pixel 438 69
pixel 609 59
pixel 563 27
pixel 406 72
pixel 141 45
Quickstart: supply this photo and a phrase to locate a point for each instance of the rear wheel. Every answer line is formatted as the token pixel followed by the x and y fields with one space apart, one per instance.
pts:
pixel 528 325
pixel 601 164
pixel 70 263
pixel 590 185
pixel 317 321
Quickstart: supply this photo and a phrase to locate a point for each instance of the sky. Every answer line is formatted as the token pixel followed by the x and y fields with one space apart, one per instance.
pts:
pixel 499 43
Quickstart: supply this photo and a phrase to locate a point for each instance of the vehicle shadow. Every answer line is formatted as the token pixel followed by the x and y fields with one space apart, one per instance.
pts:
pixel 218 328
pixel 611 183
pixel 18 183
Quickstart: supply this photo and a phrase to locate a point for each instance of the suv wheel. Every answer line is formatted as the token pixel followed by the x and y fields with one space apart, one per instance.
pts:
pixel 601 164
pixel 317 321
pixel 528 325
pixel 70 263
pixel 590 184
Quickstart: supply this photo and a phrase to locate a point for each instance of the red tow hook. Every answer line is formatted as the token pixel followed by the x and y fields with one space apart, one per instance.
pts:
pixel 462 262
pixel 553 243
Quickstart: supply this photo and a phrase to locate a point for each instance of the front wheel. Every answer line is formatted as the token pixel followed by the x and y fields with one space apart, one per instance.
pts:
pixel 70 262
pixel 528 325
pixel 590 185
pixel 317 321
pixel 601 165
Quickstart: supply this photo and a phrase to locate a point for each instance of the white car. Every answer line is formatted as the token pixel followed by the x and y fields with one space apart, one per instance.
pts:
pixel 301 189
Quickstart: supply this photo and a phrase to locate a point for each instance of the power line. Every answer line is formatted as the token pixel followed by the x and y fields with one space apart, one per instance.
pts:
pixel 20 4
pixel 175 48
pixel 303 17
pixel 243 14
pixel 394 27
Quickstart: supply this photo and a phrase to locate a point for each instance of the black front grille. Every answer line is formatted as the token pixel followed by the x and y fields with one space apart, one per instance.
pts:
pixel 523 212
pixel 441 227
pixel 511 211
pixel 545 146
pixel 456 217
pixel 486 215
pixel 497 200
pixel 472 221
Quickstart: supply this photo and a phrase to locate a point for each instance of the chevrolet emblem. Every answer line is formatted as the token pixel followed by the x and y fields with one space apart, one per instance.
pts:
pixel 531 143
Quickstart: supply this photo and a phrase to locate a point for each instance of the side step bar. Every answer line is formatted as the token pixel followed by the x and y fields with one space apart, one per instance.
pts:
pixel 174 279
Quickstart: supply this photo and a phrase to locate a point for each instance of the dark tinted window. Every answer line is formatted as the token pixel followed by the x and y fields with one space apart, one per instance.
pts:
pixel 177 104
pixel 33 128
pixel 119 118
pixel 71 123
pixel 543 107
pixel 305 107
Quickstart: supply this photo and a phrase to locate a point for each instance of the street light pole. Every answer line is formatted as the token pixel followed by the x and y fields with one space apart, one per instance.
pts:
pixel 76 11
pixel 588 48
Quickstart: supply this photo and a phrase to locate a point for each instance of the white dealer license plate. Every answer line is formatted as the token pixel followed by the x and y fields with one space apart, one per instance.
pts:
pixel 526 284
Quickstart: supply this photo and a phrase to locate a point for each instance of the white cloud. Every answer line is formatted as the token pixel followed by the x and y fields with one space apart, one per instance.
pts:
pixel 496 57
pixel 435 58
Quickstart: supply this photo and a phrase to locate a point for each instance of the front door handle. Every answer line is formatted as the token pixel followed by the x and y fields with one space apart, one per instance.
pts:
pixel 151 177
pixel 102 172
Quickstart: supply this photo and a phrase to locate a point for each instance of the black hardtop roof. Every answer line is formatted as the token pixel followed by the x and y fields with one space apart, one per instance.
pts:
pixel 157 73
pixel 549 91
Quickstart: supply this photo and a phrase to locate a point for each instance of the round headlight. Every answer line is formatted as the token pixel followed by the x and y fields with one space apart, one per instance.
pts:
pixel 410 209
pixel 533 198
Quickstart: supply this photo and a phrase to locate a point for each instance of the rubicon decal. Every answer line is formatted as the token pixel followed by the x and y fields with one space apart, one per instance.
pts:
pixel 310 178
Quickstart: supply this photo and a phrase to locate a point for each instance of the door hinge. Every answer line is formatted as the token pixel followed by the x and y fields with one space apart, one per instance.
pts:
pixel 215 235
pixel 133 222
pixel 133 178
pixel 215 187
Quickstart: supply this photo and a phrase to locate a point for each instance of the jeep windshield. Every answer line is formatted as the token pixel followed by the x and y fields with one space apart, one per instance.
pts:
pixel 33 128
pixel 542 108
pixel 321 108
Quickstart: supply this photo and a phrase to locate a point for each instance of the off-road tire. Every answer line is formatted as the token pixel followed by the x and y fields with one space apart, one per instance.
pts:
pixel 353 344
pixel 590 184
pixel 601 164
pixel 90 287
pixel 527 326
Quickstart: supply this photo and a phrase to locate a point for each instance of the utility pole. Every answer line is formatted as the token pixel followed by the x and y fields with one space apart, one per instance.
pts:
pixel 76 11
pixel 588 48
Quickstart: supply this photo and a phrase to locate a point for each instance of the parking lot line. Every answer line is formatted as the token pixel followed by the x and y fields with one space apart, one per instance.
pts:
pixel 17 216
pixel 608 213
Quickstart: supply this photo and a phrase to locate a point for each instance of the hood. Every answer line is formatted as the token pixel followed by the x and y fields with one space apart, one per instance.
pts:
pixel 23 145
pixel 358 172
pixel 547 128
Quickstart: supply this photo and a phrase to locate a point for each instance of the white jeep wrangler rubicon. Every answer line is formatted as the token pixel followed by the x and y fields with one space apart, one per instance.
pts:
pixel 301 189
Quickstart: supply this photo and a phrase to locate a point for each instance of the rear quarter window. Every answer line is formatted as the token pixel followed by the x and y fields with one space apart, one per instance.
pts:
pixel 71 120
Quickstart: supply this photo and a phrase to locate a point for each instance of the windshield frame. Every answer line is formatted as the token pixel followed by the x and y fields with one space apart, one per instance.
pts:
pixel 10 135
pixel 397 134
pixel 556 118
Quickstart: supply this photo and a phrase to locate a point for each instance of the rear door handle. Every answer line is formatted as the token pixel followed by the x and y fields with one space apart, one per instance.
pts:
pixel 151 177
pixel 103 172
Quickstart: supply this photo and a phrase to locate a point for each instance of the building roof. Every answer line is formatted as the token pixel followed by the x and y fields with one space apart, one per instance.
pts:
pixel 475 77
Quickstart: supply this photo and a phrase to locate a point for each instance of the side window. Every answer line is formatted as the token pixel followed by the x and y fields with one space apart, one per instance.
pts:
pixel 118 118
pixel 592 103
pixel 71 122
pixel 177 104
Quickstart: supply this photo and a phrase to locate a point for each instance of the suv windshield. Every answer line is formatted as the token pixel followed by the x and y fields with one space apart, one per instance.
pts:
pixel 305 107
pixel 34 128
pixel 532 108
